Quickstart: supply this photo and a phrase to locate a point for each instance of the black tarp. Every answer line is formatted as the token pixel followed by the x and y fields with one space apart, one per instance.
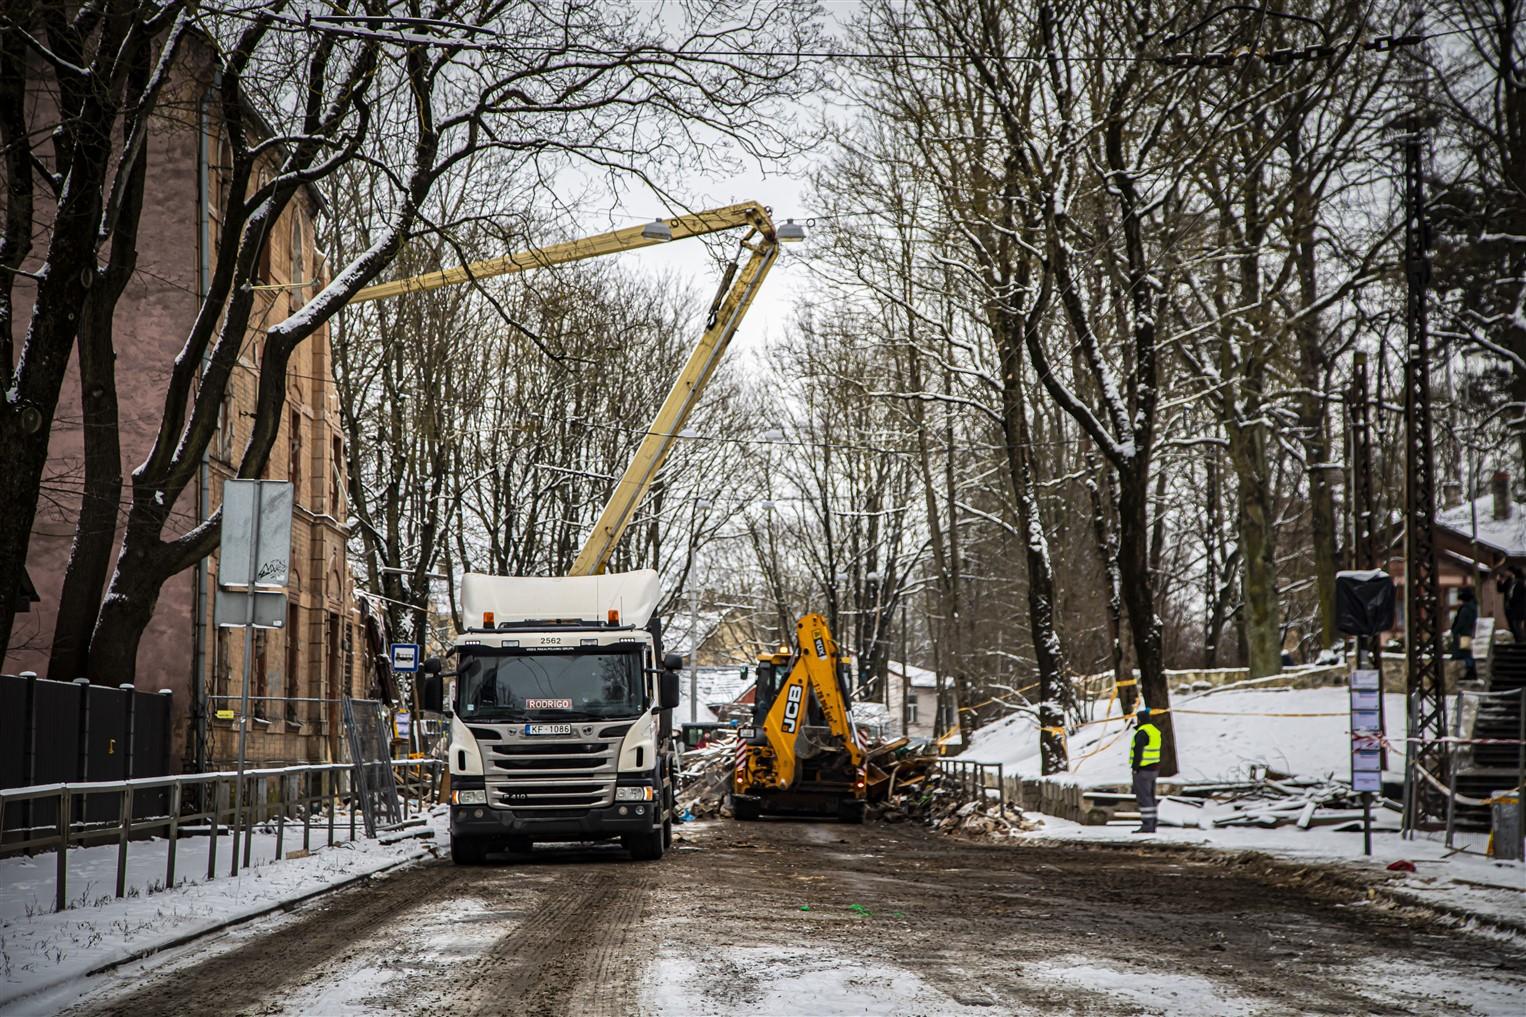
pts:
pixel 1364 602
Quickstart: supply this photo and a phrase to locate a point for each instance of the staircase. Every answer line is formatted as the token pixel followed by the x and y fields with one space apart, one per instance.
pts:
pixel 1494 767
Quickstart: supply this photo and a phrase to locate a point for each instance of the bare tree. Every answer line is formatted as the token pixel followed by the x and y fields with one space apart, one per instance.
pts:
pixel 296 99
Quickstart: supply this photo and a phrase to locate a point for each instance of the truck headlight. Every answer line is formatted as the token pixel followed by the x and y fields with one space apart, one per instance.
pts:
pixel 633 794
pixel 468 797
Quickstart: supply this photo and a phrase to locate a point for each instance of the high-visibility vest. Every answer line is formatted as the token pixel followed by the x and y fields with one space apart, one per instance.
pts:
pixel 1151 754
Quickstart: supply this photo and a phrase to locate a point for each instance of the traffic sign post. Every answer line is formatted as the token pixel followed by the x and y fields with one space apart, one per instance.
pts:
pixel 253 569
pixel 1366 744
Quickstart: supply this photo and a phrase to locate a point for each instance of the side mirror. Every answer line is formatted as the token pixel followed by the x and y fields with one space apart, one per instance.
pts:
pixel 667 691
pixel 432 689
pixel 432 666
pixel 673 662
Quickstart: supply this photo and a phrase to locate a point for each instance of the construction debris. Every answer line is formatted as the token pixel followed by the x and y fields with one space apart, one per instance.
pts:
pixel 1271 800
pixel 905 783
pixel 704 778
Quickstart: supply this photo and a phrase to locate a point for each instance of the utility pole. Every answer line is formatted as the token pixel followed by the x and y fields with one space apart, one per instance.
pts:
pixel 694 655
pixel 1363 535
pixel 1422 596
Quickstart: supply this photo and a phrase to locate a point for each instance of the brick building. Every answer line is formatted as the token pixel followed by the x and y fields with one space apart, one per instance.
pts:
pixel 301 671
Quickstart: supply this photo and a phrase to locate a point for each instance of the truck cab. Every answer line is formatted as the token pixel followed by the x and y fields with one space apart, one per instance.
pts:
pixel 560 711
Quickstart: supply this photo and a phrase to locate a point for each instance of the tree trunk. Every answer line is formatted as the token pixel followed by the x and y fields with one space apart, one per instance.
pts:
pixel 1312 412
pixel 95 530
pixel 1107 551
pixel 1054 688
pixel 1262 610
pixel 143 565
pixel 1139 599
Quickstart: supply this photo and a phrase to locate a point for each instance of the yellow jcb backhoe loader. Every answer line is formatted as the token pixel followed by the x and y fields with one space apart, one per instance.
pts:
pixel 803 755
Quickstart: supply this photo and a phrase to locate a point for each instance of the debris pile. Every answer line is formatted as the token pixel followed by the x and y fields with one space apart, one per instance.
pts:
pixel 705 776
pixel 1272 799
pixel 907 784
pixel 904 783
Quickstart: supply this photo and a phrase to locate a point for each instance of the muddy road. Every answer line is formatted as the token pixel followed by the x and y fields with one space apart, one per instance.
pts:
pixel 817 918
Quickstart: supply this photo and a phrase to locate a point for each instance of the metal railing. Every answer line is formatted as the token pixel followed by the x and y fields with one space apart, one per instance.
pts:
pixel 972 780
pixel 284 794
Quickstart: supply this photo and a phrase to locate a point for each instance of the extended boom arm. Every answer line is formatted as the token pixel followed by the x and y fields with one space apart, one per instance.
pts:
pixel 762 243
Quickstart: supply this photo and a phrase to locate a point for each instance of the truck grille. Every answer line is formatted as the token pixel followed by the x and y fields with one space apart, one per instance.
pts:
pixel 524 772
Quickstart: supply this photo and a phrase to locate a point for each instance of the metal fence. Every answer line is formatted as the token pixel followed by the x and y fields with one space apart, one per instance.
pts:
pixel 304 794
pixel 368 733
pixel 53 731
pixel 974 781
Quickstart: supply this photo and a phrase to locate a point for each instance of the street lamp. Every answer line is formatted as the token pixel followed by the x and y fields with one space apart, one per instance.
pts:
pixel 790 233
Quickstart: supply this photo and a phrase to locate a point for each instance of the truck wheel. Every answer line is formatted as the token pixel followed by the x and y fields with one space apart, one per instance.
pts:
pixel 467 851
pixel 746 810
pixel 850 811
pixel 645 847
pixel 667 833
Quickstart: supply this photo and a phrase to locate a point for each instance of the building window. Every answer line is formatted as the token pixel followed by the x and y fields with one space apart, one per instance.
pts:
pixel 335 660
pixel 293 663
pixel 260 690
pixel 349 655
pixel 262 256
pixel 294 439
pixel 298 269
pixel 222 668
pixel 911 710
pixel 335 476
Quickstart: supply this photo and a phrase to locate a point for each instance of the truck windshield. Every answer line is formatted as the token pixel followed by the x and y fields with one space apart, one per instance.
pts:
pixel 550 686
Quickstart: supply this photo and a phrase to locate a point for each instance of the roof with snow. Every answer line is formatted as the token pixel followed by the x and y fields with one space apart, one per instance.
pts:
pixel 1508 536
pixel 921 677
pixel 678 636
pixel 717 687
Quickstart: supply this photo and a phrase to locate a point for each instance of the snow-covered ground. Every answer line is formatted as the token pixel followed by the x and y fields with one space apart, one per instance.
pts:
pixel 41 951
pixel 1464 880
pixel 1304 732
pixel 1219 736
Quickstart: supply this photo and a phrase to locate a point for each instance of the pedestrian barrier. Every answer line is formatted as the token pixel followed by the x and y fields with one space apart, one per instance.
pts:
pixel 284 794
pixel 973 780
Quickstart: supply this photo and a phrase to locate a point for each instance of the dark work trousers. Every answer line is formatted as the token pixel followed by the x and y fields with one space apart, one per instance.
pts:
pixel 1144 795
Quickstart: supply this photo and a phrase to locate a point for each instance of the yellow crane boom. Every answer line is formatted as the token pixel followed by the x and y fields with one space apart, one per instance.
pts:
pixel 739 288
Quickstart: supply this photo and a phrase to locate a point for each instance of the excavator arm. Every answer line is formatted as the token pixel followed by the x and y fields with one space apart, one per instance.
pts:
pixel 761 242
pixel 814 675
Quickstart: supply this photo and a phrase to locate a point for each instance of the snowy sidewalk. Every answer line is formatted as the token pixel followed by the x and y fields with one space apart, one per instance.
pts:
pixel 41 950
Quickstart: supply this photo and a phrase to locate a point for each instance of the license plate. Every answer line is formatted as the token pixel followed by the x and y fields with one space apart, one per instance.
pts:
pixel 746 733
pixel 548 729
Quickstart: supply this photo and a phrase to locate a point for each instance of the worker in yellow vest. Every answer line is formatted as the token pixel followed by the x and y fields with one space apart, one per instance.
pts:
pixel 1144 759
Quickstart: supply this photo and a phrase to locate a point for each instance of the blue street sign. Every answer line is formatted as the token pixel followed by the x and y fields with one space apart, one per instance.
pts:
pixel 405 657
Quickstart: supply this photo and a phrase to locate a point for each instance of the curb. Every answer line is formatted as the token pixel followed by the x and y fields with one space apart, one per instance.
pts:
pixel 289 904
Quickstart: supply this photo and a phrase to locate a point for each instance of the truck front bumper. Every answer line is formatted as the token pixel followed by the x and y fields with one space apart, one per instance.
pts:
pixel 590 824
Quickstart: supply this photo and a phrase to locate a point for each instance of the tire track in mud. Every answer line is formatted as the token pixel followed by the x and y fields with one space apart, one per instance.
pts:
pixel 240 978
pixel 573 954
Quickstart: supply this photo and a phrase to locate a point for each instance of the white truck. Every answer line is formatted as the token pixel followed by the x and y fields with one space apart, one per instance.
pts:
pixel 560 715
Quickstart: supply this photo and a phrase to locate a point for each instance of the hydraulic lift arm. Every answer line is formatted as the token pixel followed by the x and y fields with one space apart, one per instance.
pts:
pixel 738 289
pixel 814 675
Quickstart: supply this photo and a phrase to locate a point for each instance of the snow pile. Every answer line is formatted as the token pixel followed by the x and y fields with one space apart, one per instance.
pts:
pixel 1220 735
pixel 41 950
